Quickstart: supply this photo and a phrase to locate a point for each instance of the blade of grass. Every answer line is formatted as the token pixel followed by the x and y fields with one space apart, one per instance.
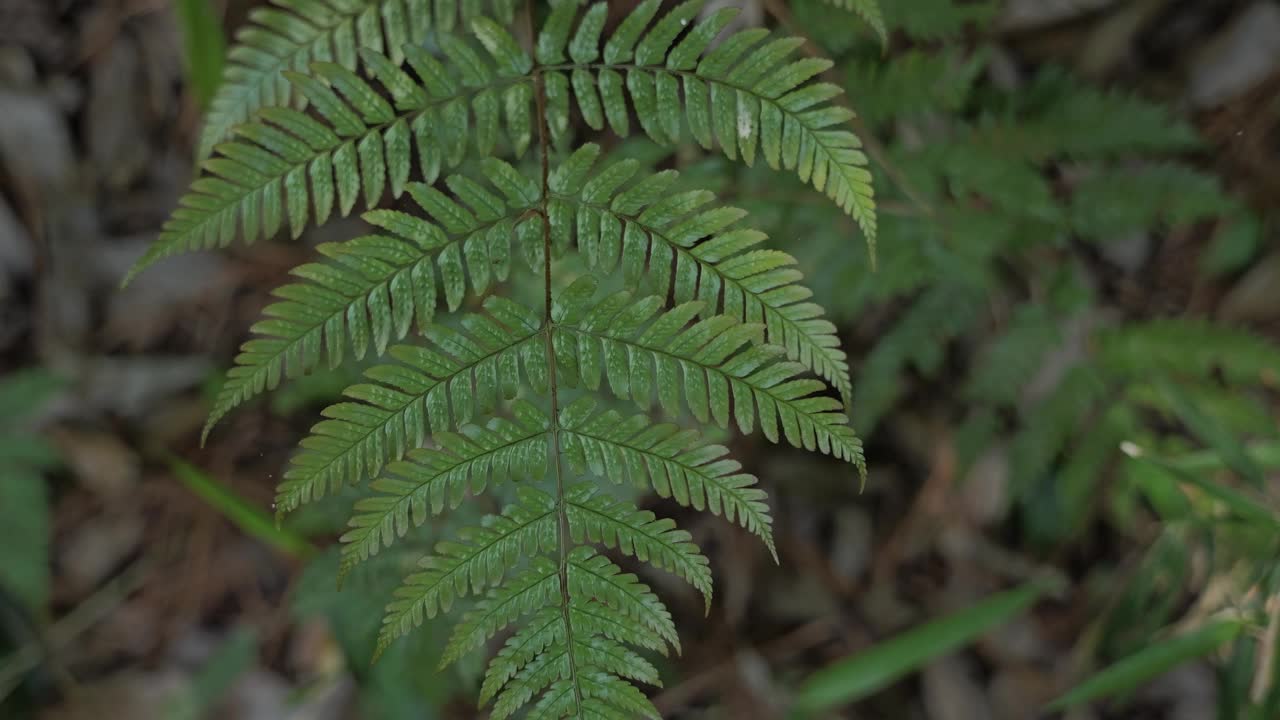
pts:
pixel 1242 506
pixel 862 674
pixel 244 515
pixel 1149 663
pixel 205 47
pixel 1212 434
pixel 1265 454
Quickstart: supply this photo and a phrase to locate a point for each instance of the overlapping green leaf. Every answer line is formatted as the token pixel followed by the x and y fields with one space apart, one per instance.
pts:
pixel 869 11
pixel 374 288
pixel 743 95
pixel 288 165
pixel 639 533
pixel 479 559
pixel 675 463
pixel 435 387
pixel 713 367
pixel 291 34
pixel 460 464
pixel 685 244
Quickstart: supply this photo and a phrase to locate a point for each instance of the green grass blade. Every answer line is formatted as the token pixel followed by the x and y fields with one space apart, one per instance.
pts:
pixel 1264 454
pixel 204 45
pixel 873 669
pixel 241 513
pixel 1212 434
pixel 1148 663
pixel 1241 505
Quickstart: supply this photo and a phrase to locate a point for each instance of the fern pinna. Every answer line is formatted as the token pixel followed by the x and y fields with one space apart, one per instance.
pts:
pixel 673 302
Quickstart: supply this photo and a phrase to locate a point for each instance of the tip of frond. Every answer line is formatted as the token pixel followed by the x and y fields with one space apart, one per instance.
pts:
pixel 773 551
pixel 153 254
pixel 134 271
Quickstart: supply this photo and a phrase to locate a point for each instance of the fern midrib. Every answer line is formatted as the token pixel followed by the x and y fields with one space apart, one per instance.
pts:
pixel 562 511
pixel 828 370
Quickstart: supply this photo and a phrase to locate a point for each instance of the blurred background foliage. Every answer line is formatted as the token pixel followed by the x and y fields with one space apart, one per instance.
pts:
pixel 1065 361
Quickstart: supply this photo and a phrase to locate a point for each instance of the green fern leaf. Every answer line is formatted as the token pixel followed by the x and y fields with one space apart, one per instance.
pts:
pixel 644 231
pixel 534 589
pixel 932 20
pixel 1062 125
pixel 287 160
pixel 438 386
pixel 298 32
pixel 636 347
pixel 479 561
pixel 635 532
pixel 595 576
pixel 374 288
pixel 1191 348
pixel 912 83
pixel 743 96
pixel 676 463
pixel 869 11
pixel 430 479
pixel 613 658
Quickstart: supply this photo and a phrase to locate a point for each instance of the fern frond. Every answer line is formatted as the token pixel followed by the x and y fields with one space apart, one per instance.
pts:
pixel 539 674
pixel 430 478
pixel 547 629
pixel 919 339
pixel 1009 361
pixel 931 20
pixel 869 11
pixel 373 288
pixel 437 386
pixel 676 463
pixel 912 83
pixel 361 145
pixel 1191 347
pixel 643 230
pixel 480 560
pixel 297 32
pixel 636 347
pixel 1112 203
pixel 1052 422
pixel 1064 124
pixel 742 96
pixel 638 533
pixel 575 653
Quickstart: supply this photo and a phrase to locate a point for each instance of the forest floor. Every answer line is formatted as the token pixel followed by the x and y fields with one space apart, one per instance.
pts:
pixel 149 581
